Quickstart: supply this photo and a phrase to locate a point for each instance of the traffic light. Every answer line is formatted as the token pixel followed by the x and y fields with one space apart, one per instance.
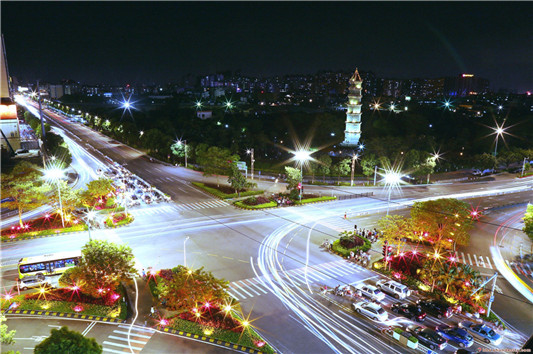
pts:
pixel 385 246
pixel 389 251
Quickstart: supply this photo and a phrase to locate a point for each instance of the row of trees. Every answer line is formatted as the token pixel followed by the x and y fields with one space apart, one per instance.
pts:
pixel 54 143
pixel 528 221
pixel 26 189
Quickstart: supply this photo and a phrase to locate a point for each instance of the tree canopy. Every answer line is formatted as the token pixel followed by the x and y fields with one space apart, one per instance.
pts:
pixel 186 289
pixel 6 336
pixel 294 176
pixel 25 187
pixel 236 179
pixel 64 340
pixel 103 265
pixel 528 221
pixel 215 160
pixel 443 219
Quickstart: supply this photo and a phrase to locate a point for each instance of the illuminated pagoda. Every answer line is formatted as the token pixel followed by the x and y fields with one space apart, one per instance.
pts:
pixel 352 133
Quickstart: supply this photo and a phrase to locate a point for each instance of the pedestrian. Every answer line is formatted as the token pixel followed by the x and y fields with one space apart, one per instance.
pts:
pixel 344 215
pixel 152 311
pixel 143 273
pixel 355 227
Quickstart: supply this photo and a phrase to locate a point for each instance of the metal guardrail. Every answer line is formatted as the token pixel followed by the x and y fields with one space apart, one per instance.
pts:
pixel 352 196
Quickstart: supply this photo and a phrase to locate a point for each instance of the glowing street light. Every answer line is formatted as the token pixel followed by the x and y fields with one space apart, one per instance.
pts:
pixel 252 160
pixel 198 104
pixel 54 175
pixel 141 133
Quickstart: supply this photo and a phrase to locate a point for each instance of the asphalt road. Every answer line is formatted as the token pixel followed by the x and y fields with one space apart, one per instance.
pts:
pixel 271 258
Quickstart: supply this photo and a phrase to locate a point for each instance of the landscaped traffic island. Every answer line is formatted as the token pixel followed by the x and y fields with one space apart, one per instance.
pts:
pixel 194 301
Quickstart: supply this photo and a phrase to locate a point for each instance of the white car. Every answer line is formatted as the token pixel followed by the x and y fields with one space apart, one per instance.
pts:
pixel 33 281
pixel 371 292
pixel 371 310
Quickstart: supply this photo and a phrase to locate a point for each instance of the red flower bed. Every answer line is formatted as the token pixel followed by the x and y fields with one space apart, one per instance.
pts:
pixel 51 222
pixel 66 294
pixel 214 317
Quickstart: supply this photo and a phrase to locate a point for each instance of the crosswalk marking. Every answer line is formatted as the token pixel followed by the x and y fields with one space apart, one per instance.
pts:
pixel 248 287
pixel 475 259
pixel 107 350
pixel 133 334
pixel 147 330
pixel 121 345
pixel 488 261
pixel 126 340
pixel 469 259
pixel 182 207
pixel 463 255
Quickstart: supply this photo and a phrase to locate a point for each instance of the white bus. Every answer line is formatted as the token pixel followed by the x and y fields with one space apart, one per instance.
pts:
pixel 48 264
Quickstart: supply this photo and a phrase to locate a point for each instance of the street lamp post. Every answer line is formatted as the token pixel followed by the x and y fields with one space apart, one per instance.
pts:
pixel 184 143
pixel 55 175
pixel 301 156
pixel 392 180
pixel 354 158
pixel 252 160
pixel 499 132
pixel 185 252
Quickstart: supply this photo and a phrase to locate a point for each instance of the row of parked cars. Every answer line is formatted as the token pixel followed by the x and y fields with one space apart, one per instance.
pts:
pixel 462 334
pixel 136 189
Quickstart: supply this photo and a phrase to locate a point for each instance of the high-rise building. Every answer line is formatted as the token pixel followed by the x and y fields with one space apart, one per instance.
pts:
pixel 352 133
pixel 465 85
pixel 9 123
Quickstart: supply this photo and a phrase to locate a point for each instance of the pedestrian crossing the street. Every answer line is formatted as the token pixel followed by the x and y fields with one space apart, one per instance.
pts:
pixel 164 209
pixel 117 341
pixel 252 287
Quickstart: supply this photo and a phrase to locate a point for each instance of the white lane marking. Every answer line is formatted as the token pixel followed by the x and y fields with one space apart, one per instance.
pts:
pixel 233 296
pixel 488 261
pixel 108 350
pixel 469 259
pixel 463 255
pixel 475 259
pixel 238 293
pixel 258 286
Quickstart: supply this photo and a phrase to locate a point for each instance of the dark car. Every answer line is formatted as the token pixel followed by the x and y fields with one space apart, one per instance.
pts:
pixel 411 311
pixel 428 337
pixel 455 334
pixel 436 308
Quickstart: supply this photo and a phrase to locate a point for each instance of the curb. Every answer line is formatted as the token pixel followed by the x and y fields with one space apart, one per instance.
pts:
pixel 42 236
pixel 66 315
pixel 213 340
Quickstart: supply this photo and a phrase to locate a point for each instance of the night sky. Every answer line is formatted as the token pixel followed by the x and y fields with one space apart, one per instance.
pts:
pixel 140 42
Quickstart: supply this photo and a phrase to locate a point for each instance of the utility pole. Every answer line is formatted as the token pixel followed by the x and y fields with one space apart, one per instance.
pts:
pixel 375 174
pixel 523 166
pixel 43 132
pixel 491 299
pixel 252 162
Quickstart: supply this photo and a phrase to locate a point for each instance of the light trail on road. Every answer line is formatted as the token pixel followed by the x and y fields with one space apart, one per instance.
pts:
pixel 331 328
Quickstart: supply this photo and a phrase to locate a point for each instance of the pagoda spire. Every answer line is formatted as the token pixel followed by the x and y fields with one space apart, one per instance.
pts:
pixel 352 133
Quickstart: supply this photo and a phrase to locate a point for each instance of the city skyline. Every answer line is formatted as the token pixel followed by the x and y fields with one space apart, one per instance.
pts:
pixel 139 42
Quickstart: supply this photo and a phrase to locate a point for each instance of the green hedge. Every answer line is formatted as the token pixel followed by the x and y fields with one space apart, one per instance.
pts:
pixel 241 204
pixel 336 246
pixel 223 195
pixel 118 311
pixel 25 235
pixel 313 200
pixel 126 220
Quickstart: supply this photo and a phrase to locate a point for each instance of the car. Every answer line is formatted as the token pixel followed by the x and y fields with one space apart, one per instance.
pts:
pixel 482 332
pixel 33 281
pixel 436 308
pixel 411 311
pixel 428 337
pixel 399 291
pixel 371 292
pixel 371 310
pixel 455 334
pixel 147 199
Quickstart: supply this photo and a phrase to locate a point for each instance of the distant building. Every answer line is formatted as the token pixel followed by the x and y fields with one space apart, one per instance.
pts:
pixel 204 114
pixel 352 133
pixel 391 88
pixel 56 91
pixel 465 85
